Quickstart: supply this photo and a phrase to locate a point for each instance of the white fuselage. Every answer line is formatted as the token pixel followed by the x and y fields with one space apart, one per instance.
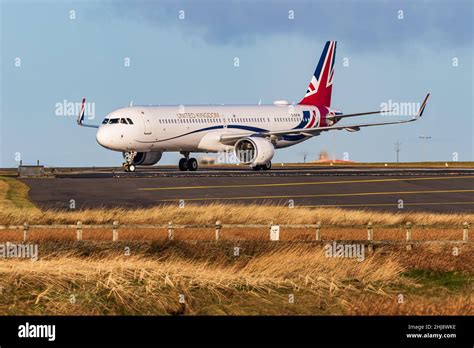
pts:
pixel 199 128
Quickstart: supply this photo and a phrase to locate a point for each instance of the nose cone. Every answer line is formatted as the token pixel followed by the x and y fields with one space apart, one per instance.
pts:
pixel 104 137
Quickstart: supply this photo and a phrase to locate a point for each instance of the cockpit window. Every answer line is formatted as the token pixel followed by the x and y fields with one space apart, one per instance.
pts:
pixel 117 120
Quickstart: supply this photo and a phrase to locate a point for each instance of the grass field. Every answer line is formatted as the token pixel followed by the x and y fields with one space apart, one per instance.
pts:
pixel 182 278
pixel 145 274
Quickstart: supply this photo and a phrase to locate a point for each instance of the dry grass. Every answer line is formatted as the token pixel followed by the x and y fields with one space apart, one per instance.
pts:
pixel 439 258
pixel 383 305
pixel 138 284
pixel 258 282
pixel 149 281
pixel 230 214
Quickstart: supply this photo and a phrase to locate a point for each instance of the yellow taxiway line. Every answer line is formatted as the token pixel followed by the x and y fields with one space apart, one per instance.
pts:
pixel 318 195
pixel 303 183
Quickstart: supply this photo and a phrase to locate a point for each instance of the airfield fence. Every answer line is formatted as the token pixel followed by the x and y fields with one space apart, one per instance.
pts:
pixel 274 231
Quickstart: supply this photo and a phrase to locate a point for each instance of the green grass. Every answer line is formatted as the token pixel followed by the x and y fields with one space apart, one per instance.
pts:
pixel 17 193
pixel 436 282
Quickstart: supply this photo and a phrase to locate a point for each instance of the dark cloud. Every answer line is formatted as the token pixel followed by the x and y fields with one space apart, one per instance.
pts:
pixel 359 23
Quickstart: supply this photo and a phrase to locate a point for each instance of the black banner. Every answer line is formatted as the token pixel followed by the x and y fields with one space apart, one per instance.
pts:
pixel 197 330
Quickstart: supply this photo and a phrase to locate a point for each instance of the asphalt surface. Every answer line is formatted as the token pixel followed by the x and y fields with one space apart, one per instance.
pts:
pixel 277 170
pixel 416 189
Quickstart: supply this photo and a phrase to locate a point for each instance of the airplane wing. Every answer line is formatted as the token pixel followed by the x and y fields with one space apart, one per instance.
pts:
pixel 231 138
pixel 80 118
pixel 337 116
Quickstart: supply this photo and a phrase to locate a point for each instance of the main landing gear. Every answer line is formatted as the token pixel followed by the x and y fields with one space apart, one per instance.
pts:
pixel 266 166
pixel 187 163
pixel 128 164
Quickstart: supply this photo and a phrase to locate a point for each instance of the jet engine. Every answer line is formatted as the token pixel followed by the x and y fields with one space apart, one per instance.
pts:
pixel 254 150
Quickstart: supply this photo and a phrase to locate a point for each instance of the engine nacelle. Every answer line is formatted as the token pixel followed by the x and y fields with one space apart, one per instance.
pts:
pixel 254 150
pixel 146 158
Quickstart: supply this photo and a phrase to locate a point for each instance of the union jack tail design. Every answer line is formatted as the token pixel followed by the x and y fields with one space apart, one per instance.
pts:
pixel 320 87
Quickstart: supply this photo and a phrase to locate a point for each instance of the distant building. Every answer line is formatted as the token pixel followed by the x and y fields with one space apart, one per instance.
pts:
pixel 28 171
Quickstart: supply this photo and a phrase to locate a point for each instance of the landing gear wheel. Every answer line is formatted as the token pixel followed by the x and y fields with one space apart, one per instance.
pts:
pixel 267 166
pixel 192 164
pixel 128 164
pixel 257 167
pixel 183 164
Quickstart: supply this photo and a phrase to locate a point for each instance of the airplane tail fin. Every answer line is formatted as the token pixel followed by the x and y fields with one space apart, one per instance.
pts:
pixel 320 86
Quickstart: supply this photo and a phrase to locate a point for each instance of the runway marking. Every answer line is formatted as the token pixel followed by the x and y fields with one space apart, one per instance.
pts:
pixel 316 195
pixel 381 204
pixel 301 183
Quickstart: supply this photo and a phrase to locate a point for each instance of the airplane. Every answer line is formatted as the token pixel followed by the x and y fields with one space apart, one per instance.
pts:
pixel 251 132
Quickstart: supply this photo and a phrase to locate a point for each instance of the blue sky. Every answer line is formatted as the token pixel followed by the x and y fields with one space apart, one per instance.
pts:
pixel 191 61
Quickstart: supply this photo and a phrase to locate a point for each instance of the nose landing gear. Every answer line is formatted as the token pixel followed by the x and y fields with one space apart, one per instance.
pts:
pixel 128 164
pixel 128 167
pixel 187 163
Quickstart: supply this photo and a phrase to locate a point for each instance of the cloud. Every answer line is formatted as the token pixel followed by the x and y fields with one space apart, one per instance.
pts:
pixel 362 24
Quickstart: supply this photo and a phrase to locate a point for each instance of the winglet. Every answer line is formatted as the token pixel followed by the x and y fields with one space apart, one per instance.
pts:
pixel 422 107
pixel 80 118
